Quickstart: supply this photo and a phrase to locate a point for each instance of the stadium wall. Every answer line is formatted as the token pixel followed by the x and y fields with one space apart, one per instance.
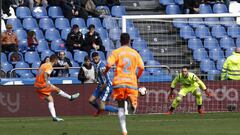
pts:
pixel 22 101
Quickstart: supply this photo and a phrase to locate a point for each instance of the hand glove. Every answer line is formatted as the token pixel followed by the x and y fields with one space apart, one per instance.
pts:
pixel 208 93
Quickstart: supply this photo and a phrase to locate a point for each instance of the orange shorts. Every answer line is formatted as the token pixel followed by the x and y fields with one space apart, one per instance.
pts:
pixel 44 92
pixel 125 93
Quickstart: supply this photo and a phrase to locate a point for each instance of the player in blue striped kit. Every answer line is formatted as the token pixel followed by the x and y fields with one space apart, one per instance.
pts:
pixel 104 88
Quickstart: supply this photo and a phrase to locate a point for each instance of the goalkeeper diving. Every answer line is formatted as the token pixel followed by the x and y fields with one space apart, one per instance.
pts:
pixel 190 83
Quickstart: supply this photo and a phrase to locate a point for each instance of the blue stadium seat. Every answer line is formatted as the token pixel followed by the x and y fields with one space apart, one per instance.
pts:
pixel 79 56
pixel 69 55
pixel 195 22
pixel 103 33
pixel 46 23
pixel 207 65
pixel 202 32
pixel 101 54
pixel 55 12
pixel 118 11
pixel 109 23
pixel 15 22
pixel 115 33
pixel 200 54
pixel 42 45
pixel 228 21
pixel 21 34
pixel 29 23
pixel 146 55
pixel 229 51
pixel 14 62
pixel 218 31
pixel 172 9
pixel 58 45
pixel 74 72
pixel 139 44
pixel 46 53
pixel 22 45
pixel 79 21
pixel 234 31
pixel 22 65
pixel 152 70
pixel 227 42
pixel 238 42
pixel 220 8
pixel 39 33
pixel 186 32
pixel 64 33
pixel 133 32
pixel 84 31
pixel 211 43
pixel 62 23
pixel 23 12
pixel 205 9
pixel 108 44
pixel 213 75
pixel 216 54
pixel 220 63
pixel 6 67
pixel 180 22
pixel 35 64
pixel 31 57
pixel 3 57
pixel 52 34
pixel 118 44
pixel 166 2
pixel 211 21
pixel 179 2
pixel 39 12
pixel 195 43
pixel 95 21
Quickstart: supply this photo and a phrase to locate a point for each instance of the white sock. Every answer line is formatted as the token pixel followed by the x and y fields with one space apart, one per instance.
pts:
pixel 64 94
pixel 52 109
pixel 122 119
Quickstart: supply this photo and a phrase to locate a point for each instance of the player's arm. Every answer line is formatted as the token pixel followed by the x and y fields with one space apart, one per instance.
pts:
pixel 173 86
pixel 140 67
pixel 46 78
pixel 224 71
pixel 202 86
pixel 110 62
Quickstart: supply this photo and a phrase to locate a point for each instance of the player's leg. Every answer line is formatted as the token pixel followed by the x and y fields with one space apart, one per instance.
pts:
pixel 183 92
pixel 92 101
pixel 198 95
pixel 64 94
pixel 119 96
pixel 51 108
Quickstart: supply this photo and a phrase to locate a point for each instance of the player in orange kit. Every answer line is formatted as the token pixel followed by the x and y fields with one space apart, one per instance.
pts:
pixel 44 88
pixel 127 60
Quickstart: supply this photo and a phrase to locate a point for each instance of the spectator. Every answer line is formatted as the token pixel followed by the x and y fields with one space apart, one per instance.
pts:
pixel 32 40
pixel 75 39
pixel 87 71
pixel 93 40
pixel 234 6
pixel 90 7
pixel 63 61
pixel 3 26
pixel 231 67
pixel 111 3
pixel 9 40
pixel 6 7
pixel 191 6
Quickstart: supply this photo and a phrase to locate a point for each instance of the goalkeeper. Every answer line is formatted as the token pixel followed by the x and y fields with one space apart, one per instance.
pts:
pixel 190 83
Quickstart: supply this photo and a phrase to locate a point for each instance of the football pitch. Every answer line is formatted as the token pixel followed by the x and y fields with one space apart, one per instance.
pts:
pixel 177 124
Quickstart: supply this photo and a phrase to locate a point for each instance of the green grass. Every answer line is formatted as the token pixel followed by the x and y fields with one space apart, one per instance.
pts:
pixel 178 124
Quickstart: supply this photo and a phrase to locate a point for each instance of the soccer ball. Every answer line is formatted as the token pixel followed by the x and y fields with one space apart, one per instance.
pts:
pixel 142 91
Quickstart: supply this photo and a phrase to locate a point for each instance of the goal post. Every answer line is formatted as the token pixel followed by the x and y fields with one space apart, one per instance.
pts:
pixel 172 49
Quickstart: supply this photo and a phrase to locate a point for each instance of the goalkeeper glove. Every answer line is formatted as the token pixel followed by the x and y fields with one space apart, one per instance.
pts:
pixel 208 93
pixel 170 96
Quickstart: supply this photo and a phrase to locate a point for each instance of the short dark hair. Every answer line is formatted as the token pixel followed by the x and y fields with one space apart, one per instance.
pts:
pixel 124 38
pixel 91 26
pixel 86 58
pixel 95 54
pixel 53 58
pixel 75 26
pixel 184 67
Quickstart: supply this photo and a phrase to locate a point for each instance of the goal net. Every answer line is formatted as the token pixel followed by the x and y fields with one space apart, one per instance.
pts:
pixel 201 42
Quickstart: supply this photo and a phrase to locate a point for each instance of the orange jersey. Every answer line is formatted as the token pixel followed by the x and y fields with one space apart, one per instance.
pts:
pixel 127 60
pixel 45 68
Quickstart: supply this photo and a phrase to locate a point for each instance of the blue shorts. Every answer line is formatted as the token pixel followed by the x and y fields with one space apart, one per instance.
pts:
pixel 104 95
